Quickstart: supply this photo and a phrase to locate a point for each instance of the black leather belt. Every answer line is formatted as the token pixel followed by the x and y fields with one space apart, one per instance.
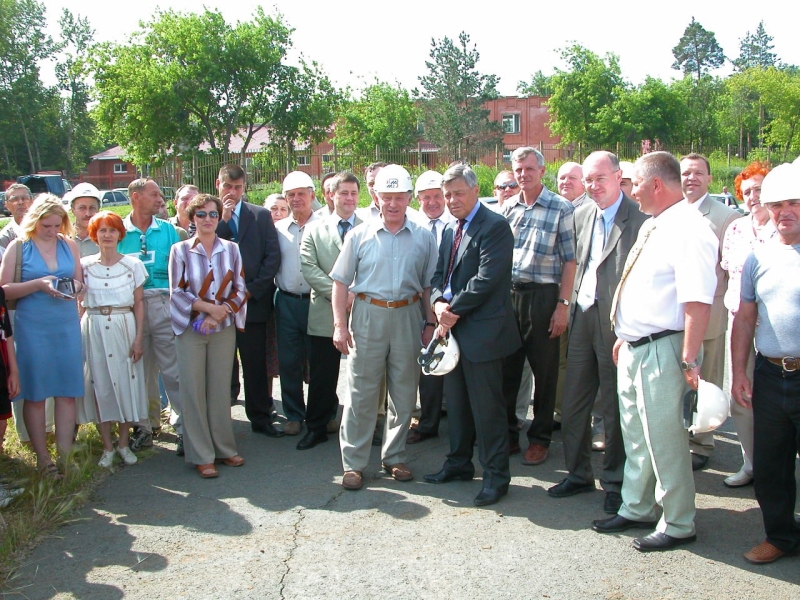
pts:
pixel 298 296
pixel 528 285
pixel 652 338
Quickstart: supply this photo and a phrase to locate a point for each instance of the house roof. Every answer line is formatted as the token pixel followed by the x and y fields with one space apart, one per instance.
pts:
pixel 115 153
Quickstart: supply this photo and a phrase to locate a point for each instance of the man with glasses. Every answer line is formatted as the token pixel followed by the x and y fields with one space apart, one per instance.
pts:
pixel 84 200
pixel 18 201
pixel 150 239
pixel 606 228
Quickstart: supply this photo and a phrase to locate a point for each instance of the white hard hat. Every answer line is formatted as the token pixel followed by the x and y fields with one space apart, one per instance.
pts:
pixel 782 183
pixel 626 168
pixel 706 409
pixel 440 357
pixel 429 180
pixel 296 180
pixel 82 190
pixel 393 178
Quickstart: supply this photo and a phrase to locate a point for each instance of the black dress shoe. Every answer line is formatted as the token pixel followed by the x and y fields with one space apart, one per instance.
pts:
pixel 618 523
pixel 311 439
pixel 490 496
pixel 514 448
pixel 660 541
pixel 612 503
pixel 268 429
pixel 415 436
pixel 565 488
pixel 699 462
pixel 446 475
pixel 179 451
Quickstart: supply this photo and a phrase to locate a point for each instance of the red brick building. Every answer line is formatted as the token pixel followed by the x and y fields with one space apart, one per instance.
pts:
pixel 108 170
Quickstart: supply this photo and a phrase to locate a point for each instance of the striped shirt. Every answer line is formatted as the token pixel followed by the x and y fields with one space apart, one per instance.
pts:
pixel 544 236
pixel 218 279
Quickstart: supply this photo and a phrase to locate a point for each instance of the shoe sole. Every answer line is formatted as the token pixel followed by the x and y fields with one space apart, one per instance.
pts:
pixel 632 525
pixel 763 562
pixel 736 485
pixel 533 463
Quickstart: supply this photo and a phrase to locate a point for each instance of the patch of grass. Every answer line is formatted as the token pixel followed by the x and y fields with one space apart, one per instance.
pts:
pixel 46 504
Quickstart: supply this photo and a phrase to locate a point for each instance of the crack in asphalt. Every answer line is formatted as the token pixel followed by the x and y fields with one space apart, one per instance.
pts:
pixel 295 533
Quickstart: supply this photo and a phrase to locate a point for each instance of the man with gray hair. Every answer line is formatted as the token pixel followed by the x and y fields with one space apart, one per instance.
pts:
pixel 472 300
pixel 542 277
pixel 660 312
pixel 18 201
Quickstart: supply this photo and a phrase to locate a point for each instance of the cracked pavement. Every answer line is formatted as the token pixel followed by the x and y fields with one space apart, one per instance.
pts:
pixel 281 526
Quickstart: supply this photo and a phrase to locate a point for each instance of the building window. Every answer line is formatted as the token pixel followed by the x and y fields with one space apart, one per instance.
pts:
pixel 507 156
pixel 326 158
pixel 120 168
pixel 511 123
pixel 302 160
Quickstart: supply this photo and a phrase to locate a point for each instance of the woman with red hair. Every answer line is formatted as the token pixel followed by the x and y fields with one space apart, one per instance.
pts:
pixel 741 237
pixel 112 329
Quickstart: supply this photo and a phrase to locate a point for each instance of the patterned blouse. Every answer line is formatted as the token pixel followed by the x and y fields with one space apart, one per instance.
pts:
pixel 740 240
pixel 218 279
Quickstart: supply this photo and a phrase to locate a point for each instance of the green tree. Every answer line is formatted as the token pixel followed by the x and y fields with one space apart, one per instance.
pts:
pixel 453 94
pixel 697 51
pixel 779 91
pixel 384 116
pixel 581 92
pixel 703 100
pixel 189 78
pixel 23 46
pixel 755 50
pixel 72 72
pixel 539 85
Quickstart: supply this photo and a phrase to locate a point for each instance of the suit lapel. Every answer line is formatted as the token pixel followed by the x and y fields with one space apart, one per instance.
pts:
pixel 617 227
pixel 588 227
pixel 245 220
pixel 471 232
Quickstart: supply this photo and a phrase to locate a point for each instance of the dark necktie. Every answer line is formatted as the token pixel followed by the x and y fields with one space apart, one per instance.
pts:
pixel 234 228
pixel 454 250
pixel 344 227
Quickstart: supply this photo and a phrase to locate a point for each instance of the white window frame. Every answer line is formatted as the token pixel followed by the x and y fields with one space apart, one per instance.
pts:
pixel 514 119
pixel 120 168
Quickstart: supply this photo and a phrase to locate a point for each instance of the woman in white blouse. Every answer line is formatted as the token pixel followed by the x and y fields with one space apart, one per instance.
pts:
pixel 207 298
pixel 111 330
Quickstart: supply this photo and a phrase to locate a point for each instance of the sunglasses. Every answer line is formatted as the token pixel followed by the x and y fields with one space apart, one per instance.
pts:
pixel 201 214
pixel 510 186
pixel 143 243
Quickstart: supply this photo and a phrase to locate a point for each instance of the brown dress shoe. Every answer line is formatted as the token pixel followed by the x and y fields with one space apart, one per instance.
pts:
pixel 415 436
pixel 536 454
pixel 352 480
pixel 399 471
pixel 763 553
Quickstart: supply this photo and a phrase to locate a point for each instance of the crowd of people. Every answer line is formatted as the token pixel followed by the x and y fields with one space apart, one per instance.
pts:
pixel 600 305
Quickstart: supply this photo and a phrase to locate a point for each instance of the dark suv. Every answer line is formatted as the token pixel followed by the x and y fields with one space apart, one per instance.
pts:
pixel 38 184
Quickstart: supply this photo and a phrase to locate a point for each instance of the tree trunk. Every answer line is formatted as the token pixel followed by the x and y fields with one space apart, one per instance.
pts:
pixel 27 142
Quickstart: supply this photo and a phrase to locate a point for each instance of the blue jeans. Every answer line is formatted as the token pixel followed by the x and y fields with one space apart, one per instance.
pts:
pixel 776 415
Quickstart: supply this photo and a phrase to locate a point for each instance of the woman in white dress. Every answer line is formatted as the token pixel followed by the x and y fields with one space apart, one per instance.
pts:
pixel 111 329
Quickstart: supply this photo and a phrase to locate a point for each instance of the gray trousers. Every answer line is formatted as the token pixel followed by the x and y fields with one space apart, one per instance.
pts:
pixel 160 355
pixel 386 344
pixel 205 363
pixel 658 468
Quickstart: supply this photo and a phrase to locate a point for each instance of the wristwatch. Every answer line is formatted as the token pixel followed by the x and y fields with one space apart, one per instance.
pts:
pixel 563 301
pixel 690 365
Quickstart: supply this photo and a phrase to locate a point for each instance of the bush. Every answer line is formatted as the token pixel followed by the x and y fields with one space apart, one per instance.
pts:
pixel 258 193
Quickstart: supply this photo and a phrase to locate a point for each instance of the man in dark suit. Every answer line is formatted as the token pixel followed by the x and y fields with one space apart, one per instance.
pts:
pixel 470 294
pixel 251 227
pixel 606 228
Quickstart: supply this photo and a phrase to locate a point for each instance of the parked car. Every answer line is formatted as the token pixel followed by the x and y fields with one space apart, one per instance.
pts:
pixel 3 208
pixel 113 198
pixel 728 200
pixel 122 191
pixel 39 184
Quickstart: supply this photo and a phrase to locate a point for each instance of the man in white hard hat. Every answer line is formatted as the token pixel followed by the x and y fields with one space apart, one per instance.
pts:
pixel 251 227
pixel 293 299
pixel 84 201
pixel 388 264
pixel 373 211
pixel 769 312
pixel 695 179
pixel 428 190
pixel 626 182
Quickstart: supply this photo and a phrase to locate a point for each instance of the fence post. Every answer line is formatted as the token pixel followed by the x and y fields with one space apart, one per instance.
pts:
pixel 729 156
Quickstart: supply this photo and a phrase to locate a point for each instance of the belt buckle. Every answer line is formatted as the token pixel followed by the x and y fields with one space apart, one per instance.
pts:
pixel 786 361
pixel 392 303
pixel 105 310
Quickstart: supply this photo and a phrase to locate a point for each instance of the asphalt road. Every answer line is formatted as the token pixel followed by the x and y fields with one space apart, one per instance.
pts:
pixel 281 526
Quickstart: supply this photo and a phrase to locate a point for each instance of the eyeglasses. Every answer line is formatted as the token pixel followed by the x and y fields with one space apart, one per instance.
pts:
pixel 201 214
pixel 143 243
pixel 511 186
pixel 18 199
pixel 602 180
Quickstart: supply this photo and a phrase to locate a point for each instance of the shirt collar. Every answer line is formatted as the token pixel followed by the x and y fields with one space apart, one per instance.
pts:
pixel 129 226
pixel 611 211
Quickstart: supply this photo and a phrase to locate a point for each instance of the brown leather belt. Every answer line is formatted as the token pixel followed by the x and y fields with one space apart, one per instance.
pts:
pixel 787 363
pixel 387 303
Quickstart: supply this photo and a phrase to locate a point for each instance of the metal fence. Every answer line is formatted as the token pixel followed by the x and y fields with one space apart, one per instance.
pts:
pixel 271 165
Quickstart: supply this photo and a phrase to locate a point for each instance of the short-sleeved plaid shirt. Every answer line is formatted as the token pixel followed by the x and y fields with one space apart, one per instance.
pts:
pixel 544 236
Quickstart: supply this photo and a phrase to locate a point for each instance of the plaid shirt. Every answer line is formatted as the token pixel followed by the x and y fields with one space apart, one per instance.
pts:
pixel 544 236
